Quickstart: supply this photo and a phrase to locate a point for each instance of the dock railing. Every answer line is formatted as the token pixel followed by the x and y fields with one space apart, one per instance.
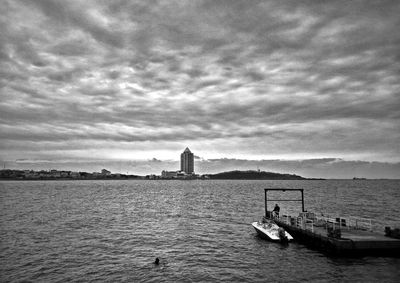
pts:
pixel 357 223
pixel 360 223
pixel 308 220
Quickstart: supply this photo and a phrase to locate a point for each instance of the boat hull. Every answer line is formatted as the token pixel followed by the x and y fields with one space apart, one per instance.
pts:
pixel 269 231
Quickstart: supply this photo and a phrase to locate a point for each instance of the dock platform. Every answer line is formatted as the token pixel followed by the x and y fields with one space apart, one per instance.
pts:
pixel 337 236
pixel 351 241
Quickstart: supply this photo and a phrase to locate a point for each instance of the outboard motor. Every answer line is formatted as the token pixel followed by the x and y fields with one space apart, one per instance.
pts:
pixel 282 235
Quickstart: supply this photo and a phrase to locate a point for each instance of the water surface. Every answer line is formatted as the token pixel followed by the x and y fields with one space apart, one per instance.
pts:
pixel 57 231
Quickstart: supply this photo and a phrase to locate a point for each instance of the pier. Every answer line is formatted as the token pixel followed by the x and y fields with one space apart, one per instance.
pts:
pixel 338 236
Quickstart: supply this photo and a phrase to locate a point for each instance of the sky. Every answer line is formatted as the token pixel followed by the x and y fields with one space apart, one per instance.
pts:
pixel 300 87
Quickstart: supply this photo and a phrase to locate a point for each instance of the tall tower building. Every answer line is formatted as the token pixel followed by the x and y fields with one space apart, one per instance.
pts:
pixel 187 161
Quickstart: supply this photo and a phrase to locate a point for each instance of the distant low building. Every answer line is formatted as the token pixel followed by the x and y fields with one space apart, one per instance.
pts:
pixel 75 175
pixel 177 175
pixel 169 174
pixel 65 174
pixel 54 174
pixel 152 177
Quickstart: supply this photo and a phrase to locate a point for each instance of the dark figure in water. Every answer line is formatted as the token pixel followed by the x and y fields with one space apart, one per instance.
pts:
pixel 276 210
pixel 157 261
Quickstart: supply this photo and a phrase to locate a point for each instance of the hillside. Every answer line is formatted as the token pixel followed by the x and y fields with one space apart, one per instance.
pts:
pixel 254 175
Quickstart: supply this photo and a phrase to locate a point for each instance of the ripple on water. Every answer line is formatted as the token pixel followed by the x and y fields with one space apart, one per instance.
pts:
pixel 200 230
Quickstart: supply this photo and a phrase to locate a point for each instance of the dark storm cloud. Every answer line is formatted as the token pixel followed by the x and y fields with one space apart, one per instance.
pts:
pixel 270 73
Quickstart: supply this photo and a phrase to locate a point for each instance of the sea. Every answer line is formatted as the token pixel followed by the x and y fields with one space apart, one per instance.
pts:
pixel 113 230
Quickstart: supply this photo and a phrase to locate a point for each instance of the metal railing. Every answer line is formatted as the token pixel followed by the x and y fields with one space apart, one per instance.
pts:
pixel 307 221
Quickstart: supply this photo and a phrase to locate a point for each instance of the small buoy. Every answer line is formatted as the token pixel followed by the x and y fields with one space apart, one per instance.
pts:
pixel 157 261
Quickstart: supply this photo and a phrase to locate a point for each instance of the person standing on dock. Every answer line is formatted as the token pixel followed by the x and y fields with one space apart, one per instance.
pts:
pixel 276 210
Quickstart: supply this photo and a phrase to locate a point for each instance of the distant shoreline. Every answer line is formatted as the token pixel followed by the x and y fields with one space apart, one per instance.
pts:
pixel 199 179
pixel 165 179
pixel 55 175
pixel 52 175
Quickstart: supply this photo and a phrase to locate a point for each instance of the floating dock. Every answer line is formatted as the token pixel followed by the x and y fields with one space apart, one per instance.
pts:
pixel 337 236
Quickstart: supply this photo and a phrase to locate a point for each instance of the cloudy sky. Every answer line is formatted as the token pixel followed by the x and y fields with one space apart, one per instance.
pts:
pixel 305 87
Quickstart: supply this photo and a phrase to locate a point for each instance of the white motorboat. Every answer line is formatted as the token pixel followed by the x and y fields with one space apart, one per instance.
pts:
pixel 271 231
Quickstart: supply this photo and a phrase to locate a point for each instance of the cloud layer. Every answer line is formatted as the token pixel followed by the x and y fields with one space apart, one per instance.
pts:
pixel 239 79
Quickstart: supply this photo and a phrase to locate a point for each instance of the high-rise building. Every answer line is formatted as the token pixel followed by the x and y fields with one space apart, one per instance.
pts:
pixel 187 161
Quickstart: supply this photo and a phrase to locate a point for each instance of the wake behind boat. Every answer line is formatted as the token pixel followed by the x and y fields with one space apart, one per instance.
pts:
pixel 271 231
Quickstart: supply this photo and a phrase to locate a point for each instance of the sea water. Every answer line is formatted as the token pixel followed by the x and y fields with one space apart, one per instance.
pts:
pixel 87 231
